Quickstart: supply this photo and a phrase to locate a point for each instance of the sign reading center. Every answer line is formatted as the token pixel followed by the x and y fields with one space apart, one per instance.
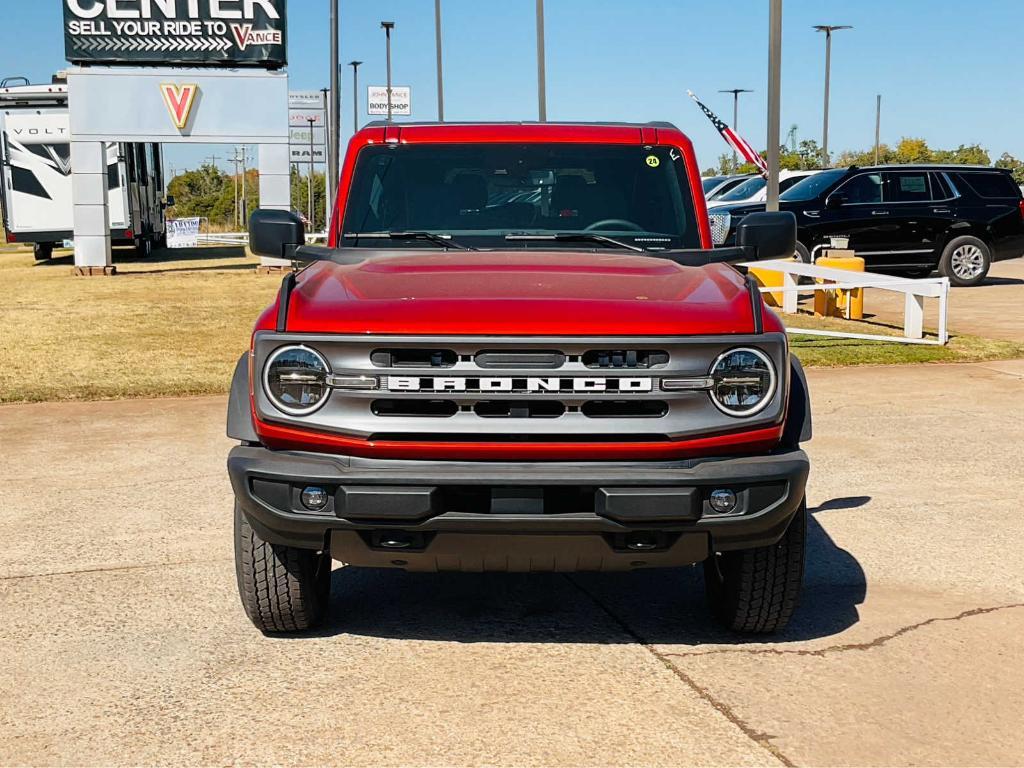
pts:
pixel 229 32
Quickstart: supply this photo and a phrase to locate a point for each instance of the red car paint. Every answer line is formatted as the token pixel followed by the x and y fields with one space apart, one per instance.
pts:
pixel 503 293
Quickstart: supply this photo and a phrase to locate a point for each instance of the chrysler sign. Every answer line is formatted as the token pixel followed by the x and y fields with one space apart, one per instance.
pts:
pixel 168 32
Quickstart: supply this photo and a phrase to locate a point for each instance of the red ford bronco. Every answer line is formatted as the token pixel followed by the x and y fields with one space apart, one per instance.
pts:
pixel 519 352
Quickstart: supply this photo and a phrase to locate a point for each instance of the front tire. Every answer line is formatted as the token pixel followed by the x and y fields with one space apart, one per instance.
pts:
pixel 283 589
pixel 802 253
pixel 965 261
pixel 756 590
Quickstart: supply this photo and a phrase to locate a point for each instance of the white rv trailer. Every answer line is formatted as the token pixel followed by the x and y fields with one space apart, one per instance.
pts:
pixel 35 194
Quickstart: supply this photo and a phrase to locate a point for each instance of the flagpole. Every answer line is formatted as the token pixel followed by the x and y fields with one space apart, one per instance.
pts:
pixel 774 101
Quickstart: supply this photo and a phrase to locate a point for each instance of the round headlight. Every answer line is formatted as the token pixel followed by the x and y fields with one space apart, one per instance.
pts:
pixel 295 380
pixel 744 381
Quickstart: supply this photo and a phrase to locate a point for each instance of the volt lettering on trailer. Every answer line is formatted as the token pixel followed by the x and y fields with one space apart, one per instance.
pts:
pixel 528 384
pixel 197 32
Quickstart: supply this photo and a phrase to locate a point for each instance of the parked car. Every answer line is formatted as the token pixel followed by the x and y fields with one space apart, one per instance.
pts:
pixel 715 186
pixel 904 219
pixel 755 188
pixel 519 353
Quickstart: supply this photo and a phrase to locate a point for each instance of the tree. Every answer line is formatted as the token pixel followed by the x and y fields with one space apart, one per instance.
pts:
pixel 1017 166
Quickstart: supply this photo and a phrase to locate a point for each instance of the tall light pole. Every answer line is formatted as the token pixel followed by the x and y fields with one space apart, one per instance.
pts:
pixel 542 96
pixel 312 209
pixel 828 29
pixel 440 75
pixel 878 123
pixel 355 95
pixel 334 113
pixel 774 101
pixel 735 116
pixel 387 26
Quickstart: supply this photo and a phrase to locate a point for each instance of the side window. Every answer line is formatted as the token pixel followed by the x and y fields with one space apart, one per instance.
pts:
pixel 990 185
pixel 907 187
pixel 940 189
pixel 865 188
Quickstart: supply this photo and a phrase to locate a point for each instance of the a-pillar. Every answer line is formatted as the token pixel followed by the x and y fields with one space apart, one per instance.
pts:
pixel 275 187
pixel 91 210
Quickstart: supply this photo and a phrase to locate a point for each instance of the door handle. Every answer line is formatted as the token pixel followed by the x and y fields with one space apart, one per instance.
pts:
pixel 879 213
pixel 940 210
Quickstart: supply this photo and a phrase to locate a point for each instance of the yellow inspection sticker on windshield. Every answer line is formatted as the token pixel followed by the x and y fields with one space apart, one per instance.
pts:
pixel 653 161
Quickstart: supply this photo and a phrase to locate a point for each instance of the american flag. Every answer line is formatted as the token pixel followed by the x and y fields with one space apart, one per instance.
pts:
pixel 734 140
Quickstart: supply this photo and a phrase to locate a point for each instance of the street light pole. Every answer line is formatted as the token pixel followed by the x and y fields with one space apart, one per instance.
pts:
pixel 440 75
pixel 735 117
pixel 334 114
pixel 542 96
pixel 312 209
pixel 878 123
pixel 355 95
pixel 387 26
pixel 774 101
pixel 828 29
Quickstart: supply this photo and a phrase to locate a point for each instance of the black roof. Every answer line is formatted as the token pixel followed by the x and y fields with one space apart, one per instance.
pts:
pixel 929 167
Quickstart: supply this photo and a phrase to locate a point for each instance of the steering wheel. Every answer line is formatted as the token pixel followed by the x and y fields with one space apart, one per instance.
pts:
pixel 607 224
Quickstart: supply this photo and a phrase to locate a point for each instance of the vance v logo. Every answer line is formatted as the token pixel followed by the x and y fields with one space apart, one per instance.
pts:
pixel 179 100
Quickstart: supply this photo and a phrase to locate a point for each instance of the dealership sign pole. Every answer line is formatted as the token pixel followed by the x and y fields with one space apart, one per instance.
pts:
pixel 171 71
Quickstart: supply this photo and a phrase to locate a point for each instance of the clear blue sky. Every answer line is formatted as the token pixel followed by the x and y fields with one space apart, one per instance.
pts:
pixel 948 71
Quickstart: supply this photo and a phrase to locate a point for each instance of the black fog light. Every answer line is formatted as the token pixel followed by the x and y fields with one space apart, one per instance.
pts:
pixel 313 497
pixel 722 500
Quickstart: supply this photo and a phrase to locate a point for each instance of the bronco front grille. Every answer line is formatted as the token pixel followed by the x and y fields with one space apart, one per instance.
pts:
pixel 502 389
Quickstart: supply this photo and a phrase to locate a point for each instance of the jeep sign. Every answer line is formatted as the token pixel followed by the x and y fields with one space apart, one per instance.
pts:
pixel 193 32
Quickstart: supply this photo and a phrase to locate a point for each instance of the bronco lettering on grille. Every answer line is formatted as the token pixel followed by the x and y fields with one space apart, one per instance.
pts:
pixel 539 384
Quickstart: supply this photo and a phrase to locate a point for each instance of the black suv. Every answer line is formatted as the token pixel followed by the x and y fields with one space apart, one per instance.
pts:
pixel 904 219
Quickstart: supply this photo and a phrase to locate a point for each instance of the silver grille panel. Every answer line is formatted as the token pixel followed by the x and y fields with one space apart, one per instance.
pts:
pixel 464 398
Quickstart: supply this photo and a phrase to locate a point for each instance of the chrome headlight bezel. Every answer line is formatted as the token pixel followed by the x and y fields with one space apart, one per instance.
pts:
pixel 290 409
pixel 761 404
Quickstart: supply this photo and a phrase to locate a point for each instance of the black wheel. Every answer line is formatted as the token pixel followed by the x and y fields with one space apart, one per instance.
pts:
pixel 283 589
pixel 965 261
pixel 144 248
pixel 42 251
pixel 756 590
pixel 803 253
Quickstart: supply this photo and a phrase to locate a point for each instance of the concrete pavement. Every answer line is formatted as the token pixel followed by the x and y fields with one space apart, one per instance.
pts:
pixel 123 642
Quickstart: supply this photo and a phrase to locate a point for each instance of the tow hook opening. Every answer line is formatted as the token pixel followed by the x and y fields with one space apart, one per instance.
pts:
pixel 406 541
pixel 642 541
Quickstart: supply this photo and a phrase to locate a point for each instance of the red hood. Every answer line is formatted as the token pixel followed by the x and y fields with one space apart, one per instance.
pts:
pixel 520 293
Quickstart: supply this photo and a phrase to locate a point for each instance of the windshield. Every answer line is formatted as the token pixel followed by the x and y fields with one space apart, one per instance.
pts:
pixel 478 194
pixel 748 188
pixel 812 186
pixel 711 182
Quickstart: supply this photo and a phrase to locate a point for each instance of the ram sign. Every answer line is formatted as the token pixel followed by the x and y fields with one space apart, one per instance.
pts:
pixel 169 32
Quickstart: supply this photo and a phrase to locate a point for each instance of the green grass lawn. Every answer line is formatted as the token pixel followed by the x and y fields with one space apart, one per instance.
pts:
pixel 175 324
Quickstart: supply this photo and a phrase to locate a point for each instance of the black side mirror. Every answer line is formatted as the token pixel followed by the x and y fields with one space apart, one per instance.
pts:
pixel 770 235
pixel 835 201
pixel 275 234
pixel 168 201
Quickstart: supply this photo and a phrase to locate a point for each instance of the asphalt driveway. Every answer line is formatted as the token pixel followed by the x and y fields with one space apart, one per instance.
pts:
pixel 122 641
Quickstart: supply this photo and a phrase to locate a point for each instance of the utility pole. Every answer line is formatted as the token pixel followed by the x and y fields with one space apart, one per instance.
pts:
pixel 440 75
pixel 331 164
pixel 735 117
pixel 774 101
pixel 334 113
pixel 878 123
pixel 355 95
pixel 542 96
pixel 828 29
pixel 213 160
pixel 245 218
pixel 236 160
pixel 387 26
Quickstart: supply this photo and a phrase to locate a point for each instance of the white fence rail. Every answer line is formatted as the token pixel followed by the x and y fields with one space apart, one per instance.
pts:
pixel 914 291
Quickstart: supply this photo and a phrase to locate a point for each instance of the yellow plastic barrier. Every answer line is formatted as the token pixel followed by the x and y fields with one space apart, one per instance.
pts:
pixel 834 303
pixel 767 278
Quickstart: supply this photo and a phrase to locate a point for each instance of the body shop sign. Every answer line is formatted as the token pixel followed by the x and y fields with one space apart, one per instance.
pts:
pixel 193 32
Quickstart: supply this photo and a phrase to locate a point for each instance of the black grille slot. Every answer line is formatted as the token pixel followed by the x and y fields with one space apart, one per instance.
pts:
pixel 413 358
pixel 625 358
pixel 510 359
pixel 512 409
pixel 624 409
pixel 414 407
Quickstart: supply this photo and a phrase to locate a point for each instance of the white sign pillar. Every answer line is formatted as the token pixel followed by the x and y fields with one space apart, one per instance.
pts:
pixel 90 207
pixel 275 187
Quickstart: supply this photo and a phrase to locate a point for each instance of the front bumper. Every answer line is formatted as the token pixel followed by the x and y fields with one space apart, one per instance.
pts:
pixel 459 515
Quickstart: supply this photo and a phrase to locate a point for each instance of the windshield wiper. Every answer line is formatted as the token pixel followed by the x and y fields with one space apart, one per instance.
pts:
pixel 433 237
pixel 569 237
